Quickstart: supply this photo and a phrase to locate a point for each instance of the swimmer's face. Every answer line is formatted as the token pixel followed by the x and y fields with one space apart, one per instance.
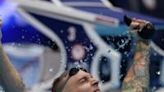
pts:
pixel 81 82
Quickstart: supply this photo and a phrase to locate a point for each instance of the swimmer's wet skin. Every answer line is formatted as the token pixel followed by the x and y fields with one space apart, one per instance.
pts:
pixel 137 78
pixel 75 80
pixel 9 77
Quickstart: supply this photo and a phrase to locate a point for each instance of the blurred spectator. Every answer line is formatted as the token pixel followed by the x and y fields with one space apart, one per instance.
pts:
pixel 148 7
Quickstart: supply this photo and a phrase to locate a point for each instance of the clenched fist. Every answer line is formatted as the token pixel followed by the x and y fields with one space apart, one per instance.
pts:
pixel 144 28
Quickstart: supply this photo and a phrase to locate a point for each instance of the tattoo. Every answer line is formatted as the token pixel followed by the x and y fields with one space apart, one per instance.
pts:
pixel 137 78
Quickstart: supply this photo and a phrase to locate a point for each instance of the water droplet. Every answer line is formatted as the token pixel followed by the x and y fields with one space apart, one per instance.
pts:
pixel 86 48
pixel 51 70
pixel 81 61
pixel 155 54
pixel 23 36
pixel 158 72
pixel 122 40
pixel 61 31
pixel 91 54
pixel 154 88
pixel 90 47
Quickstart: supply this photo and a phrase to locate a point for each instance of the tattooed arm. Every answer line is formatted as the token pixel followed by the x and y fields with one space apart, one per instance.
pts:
pixel 9 77
pixel 137 78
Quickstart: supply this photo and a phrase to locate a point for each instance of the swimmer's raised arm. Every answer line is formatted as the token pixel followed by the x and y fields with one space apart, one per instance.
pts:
pixel 9 77
pixel 137 78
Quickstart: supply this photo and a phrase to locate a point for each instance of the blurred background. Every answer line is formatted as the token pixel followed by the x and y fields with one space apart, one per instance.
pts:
pixel 44 37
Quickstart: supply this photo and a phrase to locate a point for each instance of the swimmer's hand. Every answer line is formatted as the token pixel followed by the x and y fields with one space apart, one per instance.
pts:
pixel 144 28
